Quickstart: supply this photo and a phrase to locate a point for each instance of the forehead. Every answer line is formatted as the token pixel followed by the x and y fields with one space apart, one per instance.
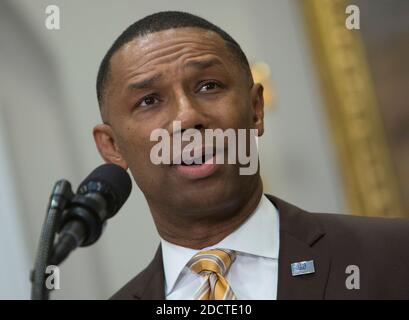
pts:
pixel 163 47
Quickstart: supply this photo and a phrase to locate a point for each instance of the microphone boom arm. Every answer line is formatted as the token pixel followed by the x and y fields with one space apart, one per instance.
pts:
pixel 59 198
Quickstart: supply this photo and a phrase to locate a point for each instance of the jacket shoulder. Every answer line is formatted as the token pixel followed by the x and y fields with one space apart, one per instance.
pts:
pixel 376 247
pixel 368 229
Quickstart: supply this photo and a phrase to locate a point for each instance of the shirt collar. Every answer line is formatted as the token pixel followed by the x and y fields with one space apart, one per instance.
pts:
pixel 258 235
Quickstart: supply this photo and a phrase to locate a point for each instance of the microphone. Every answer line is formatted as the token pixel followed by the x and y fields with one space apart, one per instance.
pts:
pixel 99 197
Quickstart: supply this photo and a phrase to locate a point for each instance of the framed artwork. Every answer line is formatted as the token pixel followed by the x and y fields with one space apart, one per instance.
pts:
pixel 364 75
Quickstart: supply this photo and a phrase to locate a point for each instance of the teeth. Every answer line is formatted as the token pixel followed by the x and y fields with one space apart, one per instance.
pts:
pixel 208 154
pixel 198 161
pixel 208 157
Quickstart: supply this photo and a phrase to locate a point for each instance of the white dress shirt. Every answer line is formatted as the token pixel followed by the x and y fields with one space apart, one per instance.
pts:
pixel 254 273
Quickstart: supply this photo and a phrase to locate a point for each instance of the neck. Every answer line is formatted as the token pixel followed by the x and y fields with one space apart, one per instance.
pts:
pixel 205 230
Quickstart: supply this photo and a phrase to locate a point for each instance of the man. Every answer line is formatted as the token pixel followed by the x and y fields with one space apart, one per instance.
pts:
pixel 221 238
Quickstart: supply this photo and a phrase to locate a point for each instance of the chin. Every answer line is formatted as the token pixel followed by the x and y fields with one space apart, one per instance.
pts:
pixel 213 196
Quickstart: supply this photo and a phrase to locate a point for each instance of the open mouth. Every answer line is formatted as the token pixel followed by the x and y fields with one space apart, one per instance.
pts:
pixel 205 158
pixel 194 157
pixel 196 168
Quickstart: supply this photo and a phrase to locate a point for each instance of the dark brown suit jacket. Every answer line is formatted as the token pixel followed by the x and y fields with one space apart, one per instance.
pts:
pixel 379 247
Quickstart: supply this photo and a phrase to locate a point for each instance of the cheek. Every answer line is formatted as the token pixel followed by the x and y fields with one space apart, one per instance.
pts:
pixel 134 144
pixel 234 112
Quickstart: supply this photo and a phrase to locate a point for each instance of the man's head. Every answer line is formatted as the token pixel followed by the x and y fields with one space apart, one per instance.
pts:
pixel 159 22
pixel 174 66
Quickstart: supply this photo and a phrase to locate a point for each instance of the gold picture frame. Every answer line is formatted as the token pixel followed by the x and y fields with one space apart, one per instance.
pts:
pixel 368 175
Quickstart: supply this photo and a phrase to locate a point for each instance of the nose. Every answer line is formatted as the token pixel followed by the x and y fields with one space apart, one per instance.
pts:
pixel 188 112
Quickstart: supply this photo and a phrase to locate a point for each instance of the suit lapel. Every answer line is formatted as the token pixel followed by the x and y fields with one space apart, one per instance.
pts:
pixel 302 238
pixel 151 282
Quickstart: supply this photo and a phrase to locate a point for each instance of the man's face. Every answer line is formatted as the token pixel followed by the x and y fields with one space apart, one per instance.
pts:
pixel 187 75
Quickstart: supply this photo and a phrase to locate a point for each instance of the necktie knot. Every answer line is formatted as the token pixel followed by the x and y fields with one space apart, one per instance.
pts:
pixel 213 265
pixel 214 260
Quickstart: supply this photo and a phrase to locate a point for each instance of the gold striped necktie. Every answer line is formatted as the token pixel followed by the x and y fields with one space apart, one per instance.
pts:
pixel 213 265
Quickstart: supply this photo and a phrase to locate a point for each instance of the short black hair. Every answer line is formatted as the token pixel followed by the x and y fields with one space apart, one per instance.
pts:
pixel 161 21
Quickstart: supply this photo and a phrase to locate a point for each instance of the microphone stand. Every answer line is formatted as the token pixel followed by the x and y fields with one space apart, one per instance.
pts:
pixel 60 197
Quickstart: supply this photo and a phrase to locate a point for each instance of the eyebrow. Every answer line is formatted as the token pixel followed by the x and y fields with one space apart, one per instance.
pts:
pixel 146 83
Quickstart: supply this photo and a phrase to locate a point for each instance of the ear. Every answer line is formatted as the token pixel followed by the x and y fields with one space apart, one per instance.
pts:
pixel 257 103
pixel 108 149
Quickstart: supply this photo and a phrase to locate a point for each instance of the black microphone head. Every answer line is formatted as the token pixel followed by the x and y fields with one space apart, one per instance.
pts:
pixel 110 180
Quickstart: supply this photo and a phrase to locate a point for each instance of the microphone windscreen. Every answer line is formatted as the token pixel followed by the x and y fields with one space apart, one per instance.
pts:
pixel 110 179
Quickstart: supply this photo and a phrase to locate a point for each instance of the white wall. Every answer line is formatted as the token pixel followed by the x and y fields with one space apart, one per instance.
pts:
pixel 48 81
pixel 14 255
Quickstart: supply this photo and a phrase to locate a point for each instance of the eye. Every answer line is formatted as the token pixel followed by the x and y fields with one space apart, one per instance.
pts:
pixel 209 86
pixel 147 101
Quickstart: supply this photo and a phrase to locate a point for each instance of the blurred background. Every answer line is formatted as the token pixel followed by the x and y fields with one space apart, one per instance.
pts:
pixel 336 137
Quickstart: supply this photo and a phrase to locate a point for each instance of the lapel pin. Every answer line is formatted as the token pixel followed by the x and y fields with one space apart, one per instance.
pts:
pixel 302 267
